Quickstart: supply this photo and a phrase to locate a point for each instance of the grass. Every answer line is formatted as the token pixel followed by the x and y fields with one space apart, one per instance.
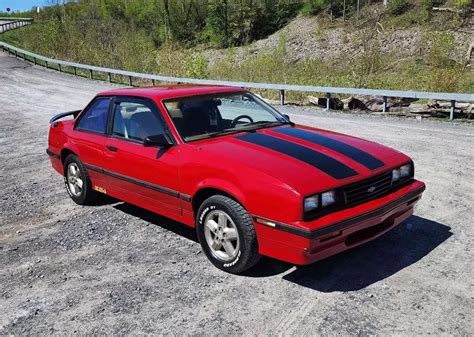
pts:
pixel 131 50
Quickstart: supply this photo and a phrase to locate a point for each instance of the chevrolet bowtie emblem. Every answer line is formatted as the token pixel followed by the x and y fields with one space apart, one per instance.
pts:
pixel 371 189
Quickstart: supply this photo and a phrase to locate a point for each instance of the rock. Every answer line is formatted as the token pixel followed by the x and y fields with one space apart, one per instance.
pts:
pixel 313 100
pixel 334 102
pixel 355 104
pixel 400 101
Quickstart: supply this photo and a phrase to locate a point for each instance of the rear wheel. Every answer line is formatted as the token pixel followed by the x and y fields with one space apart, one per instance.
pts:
pixel 227 235
pixel 77 181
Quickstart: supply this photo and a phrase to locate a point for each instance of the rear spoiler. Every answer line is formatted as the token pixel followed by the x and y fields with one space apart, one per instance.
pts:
pixel 64 114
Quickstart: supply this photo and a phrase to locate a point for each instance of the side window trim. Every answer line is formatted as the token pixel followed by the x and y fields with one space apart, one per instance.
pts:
pixel 149 103
pixel 86 109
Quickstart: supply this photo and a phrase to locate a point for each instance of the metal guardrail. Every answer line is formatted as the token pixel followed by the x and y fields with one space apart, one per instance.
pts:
pixel 452 97
pixel 12 23
pixel 13 18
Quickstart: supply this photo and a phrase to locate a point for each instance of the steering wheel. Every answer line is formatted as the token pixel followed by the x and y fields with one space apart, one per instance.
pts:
pixel 236 119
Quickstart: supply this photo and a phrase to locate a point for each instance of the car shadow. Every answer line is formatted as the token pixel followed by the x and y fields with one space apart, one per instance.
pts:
pixel 374 261
pixel 351 270
pixel 158 220
pixel 104 200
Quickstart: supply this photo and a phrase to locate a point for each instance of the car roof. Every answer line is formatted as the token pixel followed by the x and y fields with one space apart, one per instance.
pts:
pixel 170 91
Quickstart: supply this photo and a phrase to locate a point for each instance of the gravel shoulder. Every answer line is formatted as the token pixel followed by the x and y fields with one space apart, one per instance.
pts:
pixel 115 268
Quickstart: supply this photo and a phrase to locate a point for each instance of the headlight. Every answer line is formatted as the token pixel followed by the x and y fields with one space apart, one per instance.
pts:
pixel 405 170
pixel 401 172
pixel 395 175
pixel 311 203
pixel 328 198
pixel 320 200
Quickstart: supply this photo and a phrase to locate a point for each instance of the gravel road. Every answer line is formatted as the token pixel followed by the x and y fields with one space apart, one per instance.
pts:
pixel 115 268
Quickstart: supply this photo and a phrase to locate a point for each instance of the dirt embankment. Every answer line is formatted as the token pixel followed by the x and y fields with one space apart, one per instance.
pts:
pixel 306 38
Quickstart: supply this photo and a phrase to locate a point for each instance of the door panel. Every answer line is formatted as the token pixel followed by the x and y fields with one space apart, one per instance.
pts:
pixel 134 170
pixel 137 172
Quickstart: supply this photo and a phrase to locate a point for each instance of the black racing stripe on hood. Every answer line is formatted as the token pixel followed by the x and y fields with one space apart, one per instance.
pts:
pixel 319 160
pixel 352 152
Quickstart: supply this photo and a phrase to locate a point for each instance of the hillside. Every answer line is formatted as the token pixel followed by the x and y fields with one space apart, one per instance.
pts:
pixel 309 37
pixel 411 49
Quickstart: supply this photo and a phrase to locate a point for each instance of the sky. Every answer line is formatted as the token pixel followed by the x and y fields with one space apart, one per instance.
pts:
pixel 20 5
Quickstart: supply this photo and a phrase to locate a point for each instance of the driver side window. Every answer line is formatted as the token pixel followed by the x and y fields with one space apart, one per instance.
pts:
pixel 135 121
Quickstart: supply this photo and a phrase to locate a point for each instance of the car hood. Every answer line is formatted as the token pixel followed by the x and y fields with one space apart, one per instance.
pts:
pixel 306 159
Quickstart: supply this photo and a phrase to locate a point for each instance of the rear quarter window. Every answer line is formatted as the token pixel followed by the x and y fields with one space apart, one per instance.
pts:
pixel 94 118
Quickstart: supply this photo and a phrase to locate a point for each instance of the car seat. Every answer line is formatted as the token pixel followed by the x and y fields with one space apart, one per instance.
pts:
pixel 196 121
pixel 144 124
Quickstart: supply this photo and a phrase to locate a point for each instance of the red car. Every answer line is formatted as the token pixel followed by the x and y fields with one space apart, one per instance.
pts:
pixel 222 160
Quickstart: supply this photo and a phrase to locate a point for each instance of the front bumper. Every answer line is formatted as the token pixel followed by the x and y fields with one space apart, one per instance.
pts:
pixel 308 242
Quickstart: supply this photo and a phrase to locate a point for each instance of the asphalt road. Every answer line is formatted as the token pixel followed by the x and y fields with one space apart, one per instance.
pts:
pixel 115 268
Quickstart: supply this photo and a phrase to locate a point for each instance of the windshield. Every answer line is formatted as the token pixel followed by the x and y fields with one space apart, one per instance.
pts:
pixel 204 116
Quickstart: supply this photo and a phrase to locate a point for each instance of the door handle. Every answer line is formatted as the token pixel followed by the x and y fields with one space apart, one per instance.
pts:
pixel 112 148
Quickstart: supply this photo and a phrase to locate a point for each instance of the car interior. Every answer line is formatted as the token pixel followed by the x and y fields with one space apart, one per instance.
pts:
pixel 192 116
pixel 197 117
pixel 135 122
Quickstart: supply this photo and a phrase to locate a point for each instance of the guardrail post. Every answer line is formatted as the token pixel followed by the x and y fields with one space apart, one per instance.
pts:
pixel 384 104
pixel 152 82
pixel 451 113
pixel 282 97
pixel 328 97
pixel 46 64
pixel 109 78
pixel 130 80
pixel 74 69
pixel 59 66
pixel 91 75
pixel 34 60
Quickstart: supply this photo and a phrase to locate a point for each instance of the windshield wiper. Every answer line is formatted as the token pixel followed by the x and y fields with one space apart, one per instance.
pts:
pixel 213 134
pixel 248 127
pixel 260 124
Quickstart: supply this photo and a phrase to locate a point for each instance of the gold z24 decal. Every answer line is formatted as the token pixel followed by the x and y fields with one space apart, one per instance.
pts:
pixel 99 189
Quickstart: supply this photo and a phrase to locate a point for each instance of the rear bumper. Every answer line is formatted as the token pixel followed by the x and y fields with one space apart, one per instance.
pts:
pixel 338 231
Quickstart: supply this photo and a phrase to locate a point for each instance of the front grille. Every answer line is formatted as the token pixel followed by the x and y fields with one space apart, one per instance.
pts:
pixel 368 189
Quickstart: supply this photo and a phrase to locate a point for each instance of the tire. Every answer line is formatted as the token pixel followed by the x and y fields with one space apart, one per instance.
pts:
pixel 227 235
pixel 86 195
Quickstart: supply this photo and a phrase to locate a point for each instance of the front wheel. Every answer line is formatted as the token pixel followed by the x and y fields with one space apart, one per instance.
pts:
pixel 227 235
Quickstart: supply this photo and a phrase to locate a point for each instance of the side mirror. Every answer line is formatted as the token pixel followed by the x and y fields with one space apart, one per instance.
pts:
pixel 287 117
pixel 160 140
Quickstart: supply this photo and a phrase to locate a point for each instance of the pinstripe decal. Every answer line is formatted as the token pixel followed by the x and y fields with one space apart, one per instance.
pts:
pixel 139 182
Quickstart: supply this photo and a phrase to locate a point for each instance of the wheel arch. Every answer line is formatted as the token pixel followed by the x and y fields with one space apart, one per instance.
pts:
pixel 207 191
pixel 65 152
